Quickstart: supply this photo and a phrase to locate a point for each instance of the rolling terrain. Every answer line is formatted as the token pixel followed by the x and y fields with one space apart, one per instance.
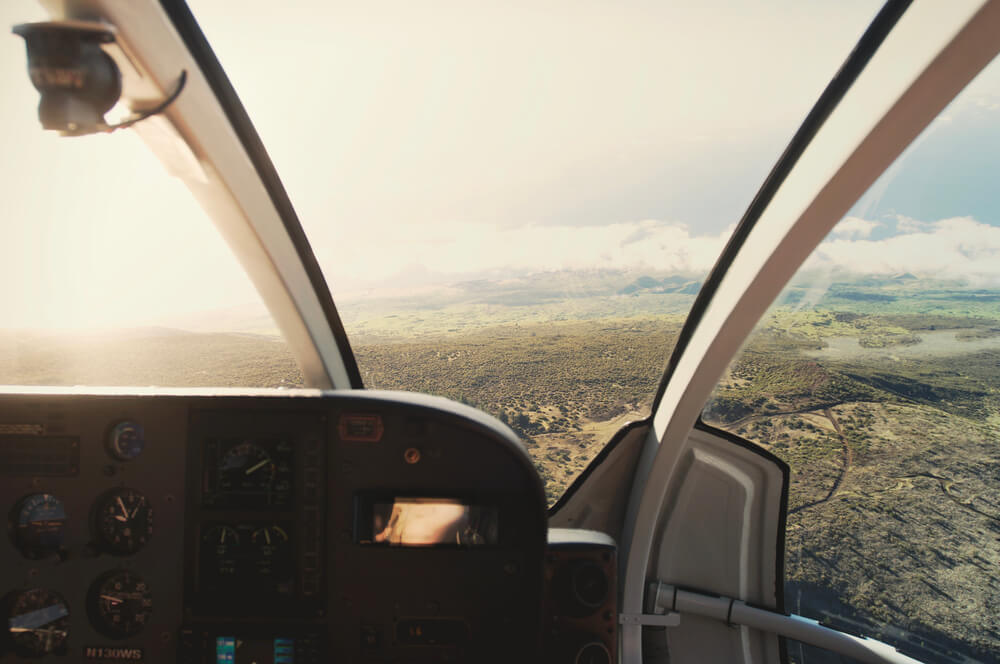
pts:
pixel 881 393
pixel 889 424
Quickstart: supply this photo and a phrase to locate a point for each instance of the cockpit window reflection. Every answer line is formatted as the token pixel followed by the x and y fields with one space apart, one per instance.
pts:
pixel 415 522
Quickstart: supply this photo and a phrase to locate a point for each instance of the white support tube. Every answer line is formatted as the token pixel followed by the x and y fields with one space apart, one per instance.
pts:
pixel 736 612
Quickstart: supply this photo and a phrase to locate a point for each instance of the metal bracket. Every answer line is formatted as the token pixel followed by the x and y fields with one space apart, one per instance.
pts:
pixel 670 619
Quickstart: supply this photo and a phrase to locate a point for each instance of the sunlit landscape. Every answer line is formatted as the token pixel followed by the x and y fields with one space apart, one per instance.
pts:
pixel 882 395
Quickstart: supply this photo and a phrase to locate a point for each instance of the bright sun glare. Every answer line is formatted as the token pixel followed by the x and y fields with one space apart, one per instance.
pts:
pixel 601 142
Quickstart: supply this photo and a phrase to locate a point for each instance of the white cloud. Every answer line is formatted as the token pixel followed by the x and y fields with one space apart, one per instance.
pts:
pixel 854 227
pixel 956 248
pixel 462 249
pixel 905 224
pixel 989 103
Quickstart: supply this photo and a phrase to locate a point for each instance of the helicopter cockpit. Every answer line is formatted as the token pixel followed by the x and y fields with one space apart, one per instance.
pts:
pixel 662 334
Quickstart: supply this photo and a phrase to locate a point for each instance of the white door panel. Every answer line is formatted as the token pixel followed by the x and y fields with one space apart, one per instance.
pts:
pixel 596 501
pixel 721 532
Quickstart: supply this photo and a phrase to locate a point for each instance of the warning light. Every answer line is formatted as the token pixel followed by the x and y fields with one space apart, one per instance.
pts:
pixel 358 428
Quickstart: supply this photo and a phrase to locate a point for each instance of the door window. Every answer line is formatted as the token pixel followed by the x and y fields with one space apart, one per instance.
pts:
pixel 876 376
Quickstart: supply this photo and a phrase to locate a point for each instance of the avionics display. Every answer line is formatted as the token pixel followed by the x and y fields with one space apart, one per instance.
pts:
pixel 234 650
pixel 421 522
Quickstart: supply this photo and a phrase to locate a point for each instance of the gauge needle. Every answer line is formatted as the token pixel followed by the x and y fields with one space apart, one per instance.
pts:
pixel 57 632
pixel 132 516
pixel 257 466
pixel 124 510
pixel 113 600
pixel 267 536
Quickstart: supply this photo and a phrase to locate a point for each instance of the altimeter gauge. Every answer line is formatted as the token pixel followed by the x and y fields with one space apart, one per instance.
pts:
pixel 119 604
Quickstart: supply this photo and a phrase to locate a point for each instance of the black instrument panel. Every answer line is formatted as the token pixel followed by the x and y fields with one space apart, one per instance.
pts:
pixel 273 526
pixel 255 533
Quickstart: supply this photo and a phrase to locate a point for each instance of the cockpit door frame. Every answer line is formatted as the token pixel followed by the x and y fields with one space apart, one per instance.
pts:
pixel 924 59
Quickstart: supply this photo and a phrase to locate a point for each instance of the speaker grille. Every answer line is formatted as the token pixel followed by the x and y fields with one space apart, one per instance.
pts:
pixel 581 610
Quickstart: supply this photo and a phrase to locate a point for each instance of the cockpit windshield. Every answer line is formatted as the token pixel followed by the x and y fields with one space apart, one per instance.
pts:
pixel 514 206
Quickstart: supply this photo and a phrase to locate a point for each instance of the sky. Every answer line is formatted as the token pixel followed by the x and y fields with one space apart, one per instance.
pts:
pixel 452 138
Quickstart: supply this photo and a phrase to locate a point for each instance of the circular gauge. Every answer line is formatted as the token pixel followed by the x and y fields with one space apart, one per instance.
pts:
pixel 269 539
pixel 37 622
pixel 272 556
pixel 219 551
pixel 123 520
pixel 221 537
pixel 246 468
pixel 119 604
pixel 37 525
pixel 126 440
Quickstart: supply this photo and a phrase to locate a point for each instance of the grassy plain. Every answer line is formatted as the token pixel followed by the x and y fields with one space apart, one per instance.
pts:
pixel 881 393
pixel 563 387
pixel 888 419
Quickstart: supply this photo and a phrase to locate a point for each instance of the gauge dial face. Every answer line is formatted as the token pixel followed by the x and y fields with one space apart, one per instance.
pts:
pixel 38 622
pixel 120 604
pixel 271 553
pixel 220 551
pixel 246 468
pixel 269 540
pixel 221 536
pixel 244 474
pixel 37 526
pixel 124 521
pixel 126 440
pixel 246 559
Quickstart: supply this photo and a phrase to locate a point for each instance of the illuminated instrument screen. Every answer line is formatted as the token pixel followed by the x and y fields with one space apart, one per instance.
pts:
pixel 419 522
pixel 234 650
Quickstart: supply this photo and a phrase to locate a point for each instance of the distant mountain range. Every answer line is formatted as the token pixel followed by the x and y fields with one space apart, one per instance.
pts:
pixel 671 284
pixel 586 295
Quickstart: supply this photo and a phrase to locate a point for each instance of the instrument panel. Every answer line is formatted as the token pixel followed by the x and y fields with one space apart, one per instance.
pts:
pixel 267 526
pixel 256 515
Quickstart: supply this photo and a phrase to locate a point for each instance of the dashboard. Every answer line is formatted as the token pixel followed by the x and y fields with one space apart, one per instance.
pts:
pixel 283 526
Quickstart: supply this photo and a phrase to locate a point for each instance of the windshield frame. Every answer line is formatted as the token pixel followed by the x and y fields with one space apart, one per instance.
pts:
pixel 232 179
pixel 198 47
pixel 881 114
pixel 874 35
